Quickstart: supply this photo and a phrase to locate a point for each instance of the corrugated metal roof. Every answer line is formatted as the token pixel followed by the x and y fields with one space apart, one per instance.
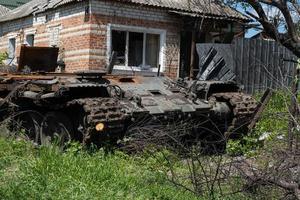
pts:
pixel 206 8
pixel 32 7
pixel 3 10
pixel 198 7
pixel 11 4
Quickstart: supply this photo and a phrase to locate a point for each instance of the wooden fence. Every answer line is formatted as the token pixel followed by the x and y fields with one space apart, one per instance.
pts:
pixel 258 64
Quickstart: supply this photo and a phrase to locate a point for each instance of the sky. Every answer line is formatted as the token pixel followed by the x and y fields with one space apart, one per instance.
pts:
pixel 250 32
pixel 270 11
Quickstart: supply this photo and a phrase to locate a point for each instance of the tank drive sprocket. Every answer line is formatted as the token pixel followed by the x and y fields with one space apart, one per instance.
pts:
pixel 243 107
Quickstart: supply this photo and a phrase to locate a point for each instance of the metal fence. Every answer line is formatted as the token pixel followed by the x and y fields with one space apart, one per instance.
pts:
pixel 258 64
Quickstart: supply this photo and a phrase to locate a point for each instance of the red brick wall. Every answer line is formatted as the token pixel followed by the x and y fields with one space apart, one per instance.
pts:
pixel 82 38
pixel 172 39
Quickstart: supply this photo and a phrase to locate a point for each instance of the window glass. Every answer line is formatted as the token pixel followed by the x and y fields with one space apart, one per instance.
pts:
pixel 119 45
pixel 136 49
pixel 135 54
pixel 152 50
pixel 30 40
pixel 11 48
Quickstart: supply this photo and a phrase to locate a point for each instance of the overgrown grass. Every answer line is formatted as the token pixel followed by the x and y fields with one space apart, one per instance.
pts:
pixel 275 117
pixel 47 173
pixel 272 125
pixel 27 172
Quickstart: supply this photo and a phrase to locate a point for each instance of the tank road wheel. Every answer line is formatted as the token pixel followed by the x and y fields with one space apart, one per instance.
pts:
pixel 56 128
pixel 30 122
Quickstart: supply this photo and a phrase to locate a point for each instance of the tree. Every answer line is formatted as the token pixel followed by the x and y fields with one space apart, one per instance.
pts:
pixel 289 9
pixel 289 15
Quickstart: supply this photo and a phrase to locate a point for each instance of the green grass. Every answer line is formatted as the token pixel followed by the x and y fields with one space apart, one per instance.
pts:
pixel 275 116
pixel 47 173
pixel 273 122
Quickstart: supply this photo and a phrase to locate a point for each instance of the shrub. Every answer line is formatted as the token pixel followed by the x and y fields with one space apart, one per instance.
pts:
pixel 272 124
pixel 3 57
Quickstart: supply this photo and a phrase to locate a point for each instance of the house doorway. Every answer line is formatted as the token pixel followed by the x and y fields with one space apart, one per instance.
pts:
pixel 188 57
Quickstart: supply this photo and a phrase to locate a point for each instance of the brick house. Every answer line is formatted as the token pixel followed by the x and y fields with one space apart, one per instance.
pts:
pixel 146 34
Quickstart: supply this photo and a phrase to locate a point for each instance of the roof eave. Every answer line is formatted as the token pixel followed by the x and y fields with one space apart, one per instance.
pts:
pixel 210 16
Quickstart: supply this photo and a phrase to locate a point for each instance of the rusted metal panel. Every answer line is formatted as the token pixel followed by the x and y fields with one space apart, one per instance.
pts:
pixel 38 58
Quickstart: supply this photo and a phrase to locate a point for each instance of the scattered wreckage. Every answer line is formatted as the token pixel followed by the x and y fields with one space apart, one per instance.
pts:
pixel 94 106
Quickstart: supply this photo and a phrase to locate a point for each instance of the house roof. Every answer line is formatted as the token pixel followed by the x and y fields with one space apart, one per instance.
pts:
pixel 11 4
pixel 3 10
pixel 195 8
pixel 32 7
pixel 203 8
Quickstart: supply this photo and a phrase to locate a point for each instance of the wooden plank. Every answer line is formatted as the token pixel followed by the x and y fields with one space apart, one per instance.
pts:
pixel 260 108
pixel 257 64
pixel 263 79
pixel 249 68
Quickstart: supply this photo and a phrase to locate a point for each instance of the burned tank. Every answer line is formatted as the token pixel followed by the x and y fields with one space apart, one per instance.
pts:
pixel 95 106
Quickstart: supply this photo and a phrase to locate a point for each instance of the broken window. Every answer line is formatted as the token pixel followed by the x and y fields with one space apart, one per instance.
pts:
pixel 11 48
pixel 119 46
pixel 152 50
pixel 135 53
pixel 30 40
pixel 136 49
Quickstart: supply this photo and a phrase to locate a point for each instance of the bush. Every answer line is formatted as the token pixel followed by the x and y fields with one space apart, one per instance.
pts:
pixel 272 124
pixel 3 57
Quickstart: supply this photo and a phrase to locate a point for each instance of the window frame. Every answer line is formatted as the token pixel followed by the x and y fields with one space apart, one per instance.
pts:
pixel 28 32
pixel 51 28
pixel 12 57
pixel 137 29
pixel 26 39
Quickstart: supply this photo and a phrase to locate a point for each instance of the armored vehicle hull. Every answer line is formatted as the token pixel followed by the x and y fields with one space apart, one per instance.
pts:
pixel 98 107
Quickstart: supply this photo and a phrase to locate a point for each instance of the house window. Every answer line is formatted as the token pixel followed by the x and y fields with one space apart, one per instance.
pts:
pixel 119 46
pixel 137 48
pixel 30 40
pixel 11 48
pixel 152 50
pixel 54 35
pixel 135 52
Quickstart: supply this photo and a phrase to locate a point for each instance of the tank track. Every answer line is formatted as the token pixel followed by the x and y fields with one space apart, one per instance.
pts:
pixel 104 110
pixel 243 107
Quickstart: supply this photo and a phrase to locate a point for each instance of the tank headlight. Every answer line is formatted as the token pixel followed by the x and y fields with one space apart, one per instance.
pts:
pixel 100 127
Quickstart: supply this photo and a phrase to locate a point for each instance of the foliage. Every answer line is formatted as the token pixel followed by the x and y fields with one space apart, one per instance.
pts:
pixel 273 124
pixel 48 173
pixel 3 57
pixel 246 146
pixel 27 172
